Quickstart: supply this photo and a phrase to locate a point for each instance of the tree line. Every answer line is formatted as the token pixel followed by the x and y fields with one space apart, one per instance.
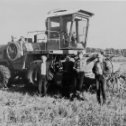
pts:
pixel 107 51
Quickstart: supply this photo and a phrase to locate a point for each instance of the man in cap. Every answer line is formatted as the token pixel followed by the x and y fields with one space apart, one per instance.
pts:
pixel 98 70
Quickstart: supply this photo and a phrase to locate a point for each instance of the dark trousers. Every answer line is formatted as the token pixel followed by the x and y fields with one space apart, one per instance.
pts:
pixel 100 87
pixel 79 81
pixel 42 87
pixel 68 83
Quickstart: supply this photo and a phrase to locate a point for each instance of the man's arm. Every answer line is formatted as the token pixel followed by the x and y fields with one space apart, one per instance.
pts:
pixel 75 67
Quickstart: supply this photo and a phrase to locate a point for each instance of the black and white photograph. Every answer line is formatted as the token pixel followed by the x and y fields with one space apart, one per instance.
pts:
pixel 62 63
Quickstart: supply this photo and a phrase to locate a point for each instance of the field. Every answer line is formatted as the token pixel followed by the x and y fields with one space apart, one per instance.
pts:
pixel 19 107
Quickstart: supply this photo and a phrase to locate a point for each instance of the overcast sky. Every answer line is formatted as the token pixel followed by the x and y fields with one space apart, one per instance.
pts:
pixel 107 27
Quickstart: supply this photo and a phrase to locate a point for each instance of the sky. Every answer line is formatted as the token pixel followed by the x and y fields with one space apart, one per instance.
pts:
pixel 107 27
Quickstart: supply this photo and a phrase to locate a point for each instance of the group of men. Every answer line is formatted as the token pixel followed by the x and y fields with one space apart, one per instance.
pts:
pixel 73 76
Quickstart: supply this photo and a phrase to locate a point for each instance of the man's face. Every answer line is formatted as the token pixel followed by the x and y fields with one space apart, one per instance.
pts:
pixel 100 58
pixel 80 55
pixel 43 59
pixel 68 59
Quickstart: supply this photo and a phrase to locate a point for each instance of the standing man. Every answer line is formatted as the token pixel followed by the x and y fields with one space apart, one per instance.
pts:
pixel 68 77
pixel 79 67
pixel 42 87
pixel 98 71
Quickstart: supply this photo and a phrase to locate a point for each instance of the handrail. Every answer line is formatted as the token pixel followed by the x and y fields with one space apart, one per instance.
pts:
pixel 42 32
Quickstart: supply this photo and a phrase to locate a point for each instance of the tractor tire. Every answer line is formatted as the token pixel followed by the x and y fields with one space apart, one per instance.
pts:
pixel 5 75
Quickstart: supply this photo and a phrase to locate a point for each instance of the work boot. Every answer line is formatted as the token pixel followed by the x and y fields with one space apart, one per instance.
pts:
pixel 79 96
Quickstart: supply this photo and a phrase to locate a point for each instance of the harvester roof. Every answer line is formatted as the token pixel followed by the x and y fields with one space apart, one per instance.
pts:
pixel 55 13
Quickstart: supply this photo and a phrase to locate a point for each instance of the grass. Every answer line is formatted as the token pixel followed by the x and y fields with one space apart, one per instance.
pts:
pixel 18 109
pixel 23 109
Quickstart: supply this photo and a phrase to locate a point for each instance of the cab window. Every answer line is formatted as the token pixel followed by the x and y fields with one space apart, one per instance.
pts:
pixel 54 27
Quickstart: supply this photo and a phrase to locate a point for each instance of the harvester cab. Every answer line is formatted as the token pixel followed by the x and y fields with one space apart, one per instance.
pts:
pixel 67 30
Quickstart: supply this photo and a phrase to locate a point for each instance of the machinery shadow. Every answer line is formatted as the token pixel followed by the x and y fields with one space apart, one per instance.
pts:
pixel 89 85
pixel 21 87
pixel 53 89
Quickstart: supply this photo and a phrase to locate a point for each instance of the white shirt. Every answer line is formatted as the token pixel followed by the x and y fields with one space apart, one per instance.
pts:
pixel 43 68
pixel 99 68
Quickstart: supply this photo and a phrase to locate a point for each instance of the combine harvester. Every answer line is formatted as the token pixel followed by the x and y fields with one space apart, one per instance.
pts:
pixel 66 33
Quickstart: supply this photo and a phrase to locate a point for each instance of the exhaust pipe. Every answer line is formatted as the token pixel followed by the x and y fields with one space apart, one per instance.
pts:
pixel 35 38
